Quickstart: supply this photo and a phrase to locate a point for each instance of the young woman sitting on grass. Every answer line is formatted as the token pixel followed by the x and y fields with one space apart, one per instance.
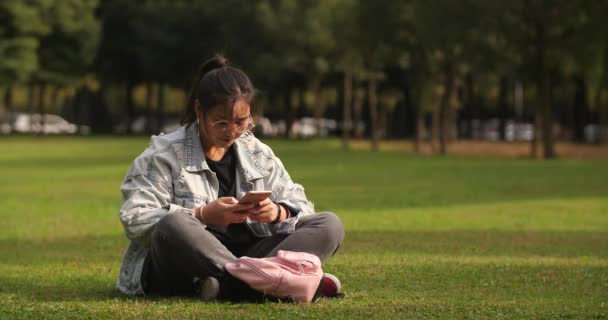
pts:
pixel 180 209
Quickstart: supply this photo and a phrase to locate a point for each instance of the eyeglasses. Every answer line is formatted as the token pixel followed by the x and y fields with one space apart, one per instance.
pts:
pixel 240 126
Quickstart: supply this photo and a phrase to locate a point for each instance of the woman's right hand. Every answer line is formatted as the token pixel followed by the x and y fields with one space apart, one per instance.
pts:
pixel 224 211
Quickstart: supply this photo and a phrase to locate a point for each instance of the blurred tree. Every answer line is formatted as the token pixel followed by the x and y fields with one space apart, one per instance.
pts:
pixel 345 26
pixel 301 47
pixel 443 52
pixel 173 38
pixel 321 45
pixel 491 54
pixel 587 56
pixel 20 28
pixel 443 30
pixel 376 18
pixel 68 50
pixel 117 61
pixel 540 31
pixel 249 46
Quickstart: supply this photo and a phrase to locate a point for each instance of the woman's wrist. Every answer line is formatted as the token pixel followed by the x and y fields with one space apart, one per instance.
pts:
pixel 198 214
pixel 279 214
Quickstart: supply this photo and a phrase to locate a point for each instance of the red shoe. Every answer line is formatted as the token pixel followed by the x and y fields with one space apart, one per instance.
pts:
pixel 329 287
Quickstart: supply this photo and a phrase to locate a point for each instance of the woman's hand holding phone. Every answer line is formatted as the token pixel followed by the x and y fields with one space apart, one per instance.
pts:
pixel 265 212
pixel 255 197
pixel 225 210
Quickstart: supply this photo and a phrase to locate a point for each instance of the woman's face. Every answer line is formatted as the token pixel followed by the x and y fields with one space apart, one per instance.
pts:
pixel 222 126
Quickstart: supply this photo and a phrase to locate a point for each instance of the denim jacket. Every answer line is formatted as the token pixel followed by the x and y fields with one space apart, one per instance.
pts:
pixel 172 177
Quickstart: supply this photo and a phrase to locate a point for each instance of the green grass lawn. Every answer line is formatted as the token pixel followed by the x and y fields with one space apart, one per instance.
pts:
pixel 426 237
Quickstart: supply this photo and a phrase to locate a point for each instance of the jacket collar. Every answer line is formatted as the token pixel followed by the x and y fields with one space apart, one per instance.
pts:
pixel 248 159
pixel 247 164
pixel 195 160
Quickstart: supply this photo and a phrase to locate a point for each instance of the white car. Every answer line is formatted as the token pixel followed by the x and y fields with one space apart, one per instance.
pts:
pixel 53 124
pixel 311 127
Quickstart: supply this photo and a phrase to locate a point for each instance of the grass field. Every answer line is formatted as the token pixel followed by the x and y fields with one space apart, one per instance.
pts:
pixel 426 237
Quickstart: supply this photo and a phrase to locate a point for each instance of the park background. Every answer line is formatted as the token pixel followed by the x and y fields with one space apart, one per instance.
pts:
pixel 462 143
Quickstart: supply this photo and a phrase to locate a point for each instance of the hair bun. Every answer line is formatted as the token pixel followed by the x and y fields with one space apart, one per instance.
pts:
pixel 215 62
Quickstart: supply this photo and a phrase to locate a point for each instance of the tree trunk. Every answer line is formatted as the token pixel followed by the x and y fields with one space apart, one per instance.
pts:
pixel 9 107
pixel 544 114
pixel 160 107
pixel 547 124
pixel 383 125
pixel 420 129
pixel 468 106
pixel 54 98
pixel 373 111
pixel 539 75
pixel 451 122
pixel 405 125
pixel 82 109
pixel 434 138
pixel 521 111
pixel 347 109
pixel 443 109
pixel 579 111
pixel 543 134
pixel 301 103
pixel 536 129
pixel 318 108
pixel 503 108
pixel 288 110
pixel 603 123
pixel 3 106
pixel 416 101
pixel 41 107
pixel 519 100
pixel 150 88
pixel 31 100
pixel 130 104
pixel 359 96
pixel 600 105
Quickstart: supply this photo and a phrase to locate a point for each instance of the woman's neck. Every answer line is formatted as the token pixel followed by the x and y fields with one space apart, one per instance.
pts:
pixel 215 153
pixel 212 152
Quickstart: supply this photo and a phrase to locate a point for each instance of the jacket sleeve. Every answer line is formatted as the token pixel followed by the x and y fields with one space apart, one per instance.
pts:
pixel 287 192
pixel 147 196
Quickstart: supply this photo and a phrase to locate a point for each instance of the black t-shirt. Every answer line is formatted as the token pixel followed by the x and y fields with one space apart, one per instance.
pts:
pixel 235 235
pixel 225 170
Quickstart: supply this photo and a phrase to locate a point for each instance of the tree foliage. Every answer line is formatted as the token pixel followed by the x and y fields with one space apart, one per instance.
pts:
pixel 440 50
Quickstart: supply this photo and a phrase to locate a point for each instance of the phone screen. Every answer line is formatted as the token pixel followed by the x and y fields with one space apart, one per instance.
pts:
pixel 254 197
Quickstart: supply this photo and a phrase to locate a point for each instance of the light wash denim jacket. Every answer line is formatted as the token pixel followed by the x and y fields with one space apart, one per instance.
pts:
pixel 172 177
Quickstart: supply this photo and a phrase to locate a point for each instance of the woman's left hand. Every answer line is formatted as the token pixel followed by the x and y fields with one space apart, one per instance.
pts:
pixel 264 212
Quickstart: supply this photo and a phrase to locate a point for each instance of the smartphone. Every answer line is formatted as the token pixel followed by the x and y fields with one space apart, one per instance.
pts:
pixel 254 197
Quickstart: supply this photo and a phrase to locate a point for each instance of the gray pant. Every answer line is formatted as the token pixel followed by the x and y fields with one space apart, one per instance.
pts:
pixel 184 249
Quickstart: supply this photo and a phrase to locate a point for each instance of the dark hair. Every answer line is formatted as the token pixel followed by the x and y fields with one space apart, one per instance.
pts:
pixel 217 84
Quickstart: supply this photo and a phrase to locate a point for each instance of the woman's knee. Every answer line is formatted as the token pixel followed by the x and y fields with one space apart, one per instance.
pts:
pixel 333 226
pixel 170 226
pixel 172 222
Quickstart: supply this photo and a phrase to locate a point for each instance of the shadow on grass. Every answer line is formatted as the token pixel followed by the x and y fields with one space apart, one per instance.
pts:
pixel 109 249
pixel 480 243
pixel 84 249
pixel 85 268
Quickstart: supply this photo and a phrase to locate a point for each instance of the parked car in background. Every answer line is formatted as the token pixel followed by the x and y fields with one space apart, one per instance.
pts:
pixel 37 123
pixel 140 125
pixel 312 127
pixel 264 127
pixel 514 131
